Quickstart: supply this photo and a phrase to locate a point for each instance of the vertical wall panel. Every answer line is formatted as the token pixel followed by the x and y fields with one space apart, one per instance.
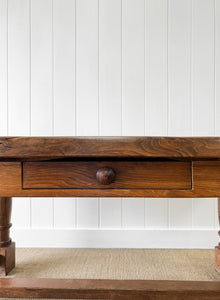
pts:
pixel 203 92
pixel 217 67
pixel 18 67
pixel 41 93
pixel 157 212
pixel 179 72
pixel 133 67
pixel 41 68
pixel 110 212
pixel 110 92
pixel 133 90
pixel 204 214
pixel 64 92
pixel 87 213
pixel 87 98
pixel 216 83
pixel 156 67
pixel 110 67
pixel 3 67
pixel 87 67
pixel 156 92
pixel 64 66
pixel 179 92
pixel 133 212
pixel 19 88
pixel 180 214
pixel 203 67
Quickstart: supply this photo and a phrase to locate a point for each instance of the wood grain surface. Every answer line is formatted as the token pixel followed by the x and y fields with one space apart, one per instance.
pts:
pixel 29 148
pixel 128 175
pixel 108 289
pixel 205 183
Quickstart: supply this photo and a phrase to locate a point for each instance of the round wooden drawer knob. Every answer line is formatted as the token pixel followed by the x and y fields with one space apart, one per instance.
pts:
pixel 105 175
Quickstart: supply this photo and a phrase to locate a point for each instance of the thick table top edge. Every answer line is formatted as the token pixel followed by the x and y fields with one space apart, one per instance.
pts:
pixel 126 146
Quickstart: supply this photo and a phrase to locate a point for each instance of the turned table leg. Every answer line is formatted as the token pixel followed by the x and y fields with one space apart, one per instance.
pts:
pixel 217 248
pixel 7 247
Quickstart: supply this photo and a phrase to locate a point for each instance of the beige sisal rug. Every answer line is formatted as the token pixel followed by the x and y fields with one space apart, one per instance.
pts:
pixel 116 264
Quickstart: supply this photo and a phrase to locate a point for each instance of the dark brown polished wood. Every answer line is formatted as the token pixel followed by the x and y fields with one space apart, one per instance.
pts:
pixel 217 248
pixel 105 175
pixel 29 148
pixel 109 289
pixel 103 167
pixel 7 248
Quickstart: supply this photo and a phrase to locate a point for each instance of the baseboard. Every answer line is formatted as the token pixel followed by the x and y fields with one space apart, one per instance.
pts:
pixel 115 238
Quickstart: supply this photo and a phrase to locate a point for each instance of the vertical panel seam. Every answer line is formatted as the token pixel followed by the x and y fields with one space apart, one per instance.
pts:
pixel 145 200
pixel 191 94
pixel 76 200
pixel 52 88
pixel 214 90
pixel 30 94
pixel 99 200
pixel 7 67
pixel 121 94
pixel 168 201
pixel 214 61
pixel 191 70
pixel 168 115
pixel 30 67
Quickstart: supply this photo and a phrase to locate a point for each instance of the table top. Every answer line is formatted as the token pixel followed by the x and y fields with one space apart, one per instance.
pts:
pixel 41 148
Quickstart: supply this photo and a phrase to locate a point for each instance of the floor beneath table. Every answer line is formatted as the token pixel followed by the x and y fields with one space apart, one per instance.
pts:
pixel 157 264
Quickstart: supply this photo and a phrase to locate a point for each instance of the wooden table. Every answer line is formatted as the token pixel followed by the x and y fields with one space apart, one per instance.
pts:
pixel 104 167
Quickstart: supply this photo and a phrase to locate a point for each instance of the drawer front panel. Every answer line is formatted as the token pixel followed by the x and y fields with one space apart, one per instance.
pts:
pixel 119 175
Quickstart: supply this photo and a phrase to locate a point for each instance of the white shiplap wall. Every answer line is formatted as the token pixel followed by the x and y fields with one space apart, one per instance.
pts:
pixel 111 67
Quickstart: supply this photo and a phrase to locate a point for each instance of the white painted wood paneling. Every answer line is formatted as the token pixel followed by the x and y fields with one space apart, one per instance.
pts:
pixel 156 212
pixel 41 93
pixel 120 238
pixel 156 67
pixel 3 67
pixel 111 67
pixel 203 67
pixel 41 68
pixel 19 88
pixel 133 57
pixel 203 93
pixel 133 212
pixel 64 93
pixel 87 97
pixel 18 68
pixel 133 92
pixel 217 67
pixel 179 68
pixel 156 93
pixel 179 92
pixel 110 212
pixel 216 83
pixel 87 100
pixel 110 92
pixel 64 67
pixel 87 213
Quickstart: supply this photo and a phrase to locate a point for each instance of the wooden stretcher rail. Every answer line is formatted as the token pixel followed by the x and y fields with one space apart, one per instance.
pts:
pixel 108 289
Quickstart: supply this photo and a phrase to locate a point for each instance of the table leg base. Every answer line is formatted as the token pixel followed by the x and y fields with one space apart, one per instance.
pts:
pixel 217 258
pixel 7 259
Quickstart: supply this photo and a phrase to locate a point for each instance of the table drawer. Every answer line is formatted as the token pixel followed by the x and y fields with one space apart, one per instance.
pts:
pixel 107 175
